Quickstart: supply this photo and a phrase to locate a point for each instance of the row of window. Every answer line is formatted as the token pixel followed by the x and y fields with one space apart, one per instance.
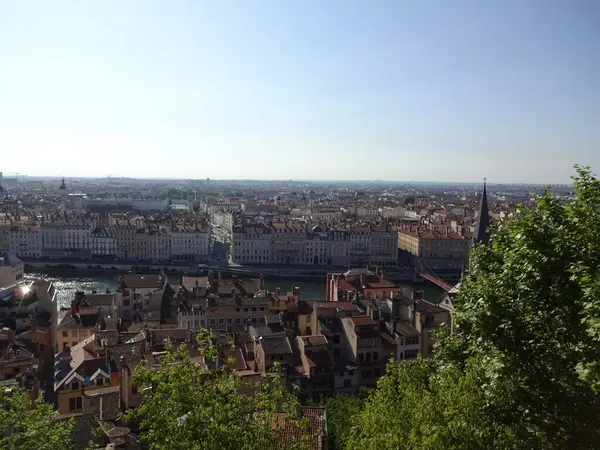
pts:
pixel 201 323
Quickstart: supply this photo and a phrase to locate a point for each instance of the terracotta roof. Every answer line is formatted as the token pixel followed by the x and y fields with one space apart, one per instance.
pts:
pixel 316 339
pixel 361 321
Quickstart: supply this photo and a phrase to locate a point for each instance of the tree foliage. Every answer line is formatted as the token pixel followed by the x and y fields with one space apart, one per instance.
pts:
pixel 524 371
pixel 27 425
pixel 189 407
pixel 341 409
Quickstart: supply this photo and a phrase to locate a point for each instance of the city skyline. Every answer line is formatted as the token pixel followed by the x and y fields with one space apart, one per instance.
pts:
pixel 276 90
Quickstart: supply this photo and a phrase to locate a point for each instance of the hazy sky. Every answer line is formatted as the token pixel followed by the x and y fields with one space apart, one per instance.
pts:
pixel 337 89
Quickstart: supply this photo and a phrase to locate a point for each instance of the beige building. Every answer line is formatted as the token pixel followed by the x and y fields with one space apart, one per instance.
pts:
pixel 189 244
pixel 288 242
pixel 251 244
pixel 142 292
pixel 444 249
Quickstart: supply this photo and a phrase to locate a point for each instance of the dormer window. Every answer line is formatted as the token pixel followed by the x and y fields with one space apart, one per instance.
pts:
pixel 75 385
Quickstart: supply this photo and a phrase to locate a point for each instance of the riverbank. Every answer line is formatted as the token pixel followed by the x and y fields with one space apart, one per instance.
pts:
pixel 312 273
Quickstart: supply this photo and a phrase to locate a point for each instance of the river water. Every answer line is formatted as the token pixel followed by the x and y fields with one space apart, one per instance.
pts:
pixel 67 283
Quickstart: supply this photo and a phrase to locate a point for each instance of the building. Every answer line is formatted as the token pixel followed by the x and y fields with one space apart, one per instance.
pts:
pixel 364 347
pixel 190 243
pixel 251 244
pixel 53 238
pixel 358 284
pixel 384 246
pixel 11 270
pixel 441 249
pixel 103 243
pixel 288 242
pixel 142 292
pixel 77 239
pixel 317 366
pixel 222 304
pixel 25 241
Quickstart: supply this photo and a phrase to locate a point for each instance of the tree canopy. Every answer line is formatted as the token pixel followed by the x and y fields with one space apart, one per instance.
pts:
pixel 524 369
pixel 27 425
pixel 187 406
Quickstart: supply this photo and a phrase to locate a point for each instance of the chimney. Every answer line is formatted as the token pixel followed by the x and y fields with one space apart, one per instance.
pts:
pixel 73 308
pixel 328 287
pixel 262 282
pixel 296 291
pixel 277 291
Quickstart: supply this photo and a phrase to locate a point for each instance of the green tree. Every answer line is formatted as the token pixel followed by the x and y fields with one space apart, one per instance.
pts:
pixel 186 406
pixel 341 410
pixel 24 425
pixel 416 408
pixel 524 370
pixel 531 307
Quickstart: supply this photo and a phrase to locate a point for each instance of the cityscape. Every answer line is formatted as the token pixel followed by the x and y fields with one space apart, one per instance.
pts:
pixel 263 225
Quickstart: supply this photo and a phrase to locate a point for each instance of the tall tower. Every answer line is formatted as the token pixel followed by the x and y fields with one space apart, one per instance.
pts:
pixel 481 233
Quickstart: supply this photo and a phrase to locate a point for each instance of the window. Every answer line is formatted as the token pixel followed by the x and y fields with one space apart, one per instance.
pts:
pixel 411 354
pixel 429 320
pixel 375 356
pixel 213 321
pixel 245 309
pixel 74 333
pixel 65 334
pixel 336 338
pixel 253 309
pixel 75 403
pixel 347 383
pixel 100 381
pixel 237 309
pixel 221 321
pixel 412 341
pixel 75 385
pixel 237 321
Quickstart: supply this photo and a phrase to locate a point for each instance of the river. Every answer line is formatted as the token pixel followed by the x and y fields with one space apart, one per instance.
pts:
pixel 67 283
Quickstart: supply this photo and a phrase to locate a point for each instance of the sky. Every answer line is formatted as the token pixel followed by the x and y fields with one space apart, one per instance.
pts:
pixel 429 90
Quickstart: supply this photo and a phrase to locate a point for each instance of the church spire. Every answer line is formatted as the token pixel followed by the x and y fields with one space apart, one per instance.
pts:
pixel 481 233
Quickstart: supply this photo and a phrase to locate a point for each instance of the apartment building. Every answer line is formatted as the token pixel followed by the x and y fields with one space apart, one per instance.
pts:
pixel 125 240
pixel 318 247
pixel 53 238
pixel 77 239
pixel 317 367
pixel 364 347
pixel 384 246
pixel 189 243
pixel 221 304
pixel 360 246
pixel 11 270
pixel 25 241
pixel 103 243
pixel 357 284
pixel 440 248
pixel 140 292
pixel 251 244
pixel 339 246
pixel 288 242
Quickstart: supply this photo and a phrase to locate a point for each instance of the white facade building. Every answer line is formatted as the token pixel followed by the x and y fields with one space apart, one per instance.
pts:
pixel 104 243
pixel 26 242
